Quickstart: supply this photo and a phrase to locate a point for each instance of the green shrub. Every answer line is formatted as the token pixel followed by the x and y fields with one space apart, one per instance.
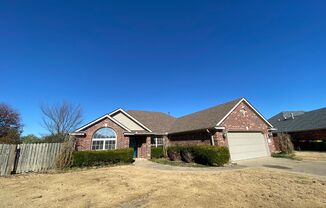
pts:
pixel 157 152
pixel 102 157
pixel 211 155
pixel 187 154
pixel 201 154
pixel 283 155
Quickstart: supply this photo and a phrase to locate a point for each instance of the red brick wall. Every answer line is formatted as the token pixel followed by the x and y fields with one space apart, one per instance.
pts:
pixel 276 141
pixel 219 139
pixel 85 142
pixel 243 118
pixel 201 137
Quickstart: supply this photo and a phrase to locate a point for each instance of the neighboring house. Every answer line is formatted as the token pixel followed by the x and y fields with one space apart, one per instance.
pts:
pixel 236 124
pixel 307 129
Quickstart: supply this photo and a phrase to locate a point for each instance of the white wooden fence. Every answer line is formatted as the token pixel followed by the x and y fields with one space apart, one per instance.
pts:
pixel 24 158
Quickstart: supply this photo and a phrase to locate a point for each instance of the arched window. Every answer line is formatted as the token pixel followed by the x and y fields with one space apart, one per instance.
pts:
pixel 103 139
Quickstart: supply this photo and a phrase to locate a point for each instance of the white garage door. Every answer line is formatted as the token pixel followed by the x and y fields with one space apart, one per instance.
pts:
pixel 245 145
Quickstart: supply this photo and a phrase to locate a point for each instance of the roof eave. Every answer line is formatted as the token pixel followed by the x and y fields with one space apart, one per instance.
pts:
pixel 192 130
pixel 143 133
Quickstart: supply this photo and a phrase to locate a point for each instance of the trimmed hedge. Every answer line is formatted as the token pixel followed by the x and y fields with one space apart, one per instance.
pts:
pixel 211 155
pixel 201 154
pixel 102 157
pixel 157 152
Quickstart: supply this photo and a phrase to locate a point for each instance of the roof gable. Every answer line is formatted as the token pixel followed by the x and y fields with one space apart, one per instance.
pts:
pixel 125 120
pixel 252 107
pixel 100 119
pixel 129 120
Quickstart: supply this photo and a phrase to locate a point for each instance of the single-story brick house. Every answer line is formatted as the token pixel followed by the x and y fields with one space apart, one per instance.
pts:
pixel 307 130
pixel 236 124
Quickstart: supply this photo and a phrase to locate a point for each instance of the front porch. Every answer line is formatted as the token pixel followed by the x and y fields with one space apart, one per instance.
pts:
pixel 141 145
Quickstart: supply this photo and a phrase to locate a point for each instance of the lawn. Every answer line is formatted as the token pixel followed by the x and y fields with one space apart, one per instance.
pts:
pixel 165 161
pixel 131 186
pixel 307 155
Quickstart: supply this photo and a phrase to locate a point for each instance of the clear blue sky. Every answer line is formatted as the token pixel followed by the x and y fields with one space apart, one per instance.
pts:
pixel 169 56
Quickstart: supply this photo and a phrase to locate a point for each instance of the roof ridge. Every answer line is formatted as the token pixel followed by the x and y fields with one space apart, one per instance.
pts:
pixel 146 111
pixel 316 110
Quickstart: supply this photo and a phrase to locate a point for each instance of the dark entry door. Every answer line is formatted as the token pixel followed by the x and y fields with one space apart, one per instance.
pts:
pixel 133 144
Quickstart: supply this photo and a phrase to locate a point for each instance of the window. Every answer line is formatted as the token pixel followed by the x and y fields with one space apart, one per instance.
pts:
pixel 157 141
pixel 103 139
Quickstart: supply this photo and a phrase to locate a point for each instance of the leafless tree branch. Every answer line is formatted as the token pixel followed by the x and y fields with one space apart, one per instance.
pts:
pixel 61 119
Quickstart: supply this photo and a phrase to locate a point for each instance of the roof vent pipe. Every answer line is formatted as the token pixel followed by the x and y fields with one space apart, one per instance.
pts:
pixel 292 115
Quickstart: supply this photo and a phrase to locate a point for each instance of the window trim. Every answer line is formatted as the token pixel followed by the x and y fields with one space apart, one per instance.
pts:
pixel 104 139
pixel 156 143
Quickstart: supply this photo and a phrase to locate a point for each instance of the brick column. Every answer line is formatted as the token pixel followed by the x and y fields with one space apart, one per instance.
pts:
pixel 126 142
pixel 218 139
pixel 165 145
pixel 148 147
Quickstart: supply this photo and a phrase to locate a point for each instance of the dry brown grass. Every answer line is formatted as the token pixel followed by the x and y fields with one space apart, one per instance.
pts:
pixel 130 186
pixel 306 155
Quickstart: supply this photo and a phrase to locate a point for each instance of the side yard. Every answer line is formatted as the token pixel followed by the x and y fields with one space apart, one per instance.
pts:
pixel 131 186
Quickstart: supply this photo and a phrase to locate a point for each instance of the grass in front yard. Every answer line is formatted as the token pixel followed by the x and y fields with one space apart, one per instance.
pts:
pixel 310 155
pixel 165 161
pixel 131 186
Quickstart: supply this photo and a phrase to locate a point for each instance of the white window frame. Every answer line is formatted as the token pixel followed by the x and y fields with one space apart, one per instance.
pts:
pixel 155 142
pixel 104 140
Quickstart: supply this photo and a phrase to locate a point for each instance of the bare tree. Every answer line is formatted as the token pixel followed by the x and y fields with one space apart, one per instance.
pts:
pixel 10 124
pixel 61 119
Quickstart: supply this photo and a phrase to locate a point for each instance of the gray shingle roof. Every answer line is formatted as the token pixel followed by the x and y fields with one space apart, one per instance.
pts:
pixel 302 121
pixel 162 123
pixel 207 118
pixel 156 121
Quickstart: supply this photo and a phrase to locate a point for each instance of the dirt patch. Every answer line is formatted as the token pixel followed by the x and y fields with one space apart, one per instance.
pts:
pixel 306 155
pixel 130 186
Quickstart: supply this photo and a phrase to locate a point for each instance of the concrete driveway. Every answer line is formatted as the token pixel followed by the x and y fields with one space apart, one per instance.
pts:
pixel 307 167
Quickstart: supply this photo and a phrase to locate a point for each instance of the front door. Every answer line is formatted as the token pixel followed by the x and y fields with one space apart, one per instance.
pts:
pixel 133 144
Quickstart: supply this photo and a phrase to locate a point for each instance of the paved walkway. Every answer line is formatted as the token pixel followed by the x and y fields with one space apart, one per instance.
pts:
pixel 281 164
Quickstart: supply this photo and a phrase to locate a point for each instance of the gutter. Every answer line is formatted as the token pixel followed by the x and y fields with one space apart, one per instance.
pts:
pixel 212 138
pixel 143 133
pixel 193 130
pixel 77 133
pixel 272 129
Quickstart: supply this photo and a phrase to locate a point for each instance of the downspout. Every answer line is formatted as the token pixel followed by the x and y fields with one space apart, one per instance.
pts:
pixel 212 138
